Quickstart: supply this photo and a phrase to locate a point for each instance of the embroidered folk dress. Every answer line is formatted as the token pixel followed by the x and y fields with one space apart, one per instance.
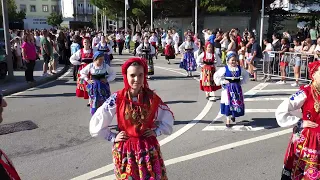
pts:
pixel 188 61
pixel 302 159
pixel 98 91
pixel 139 157
pixel 147 51
pixel 106 49
pixel 206 61
pixel 83 58
pixel 232 102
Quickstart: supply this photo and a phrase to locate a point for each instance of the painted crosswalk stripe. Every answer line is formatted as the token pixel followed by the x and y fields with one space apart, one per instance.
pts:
pixel 260 110
pixel 276 90
pixel 233 128
pixel 264 99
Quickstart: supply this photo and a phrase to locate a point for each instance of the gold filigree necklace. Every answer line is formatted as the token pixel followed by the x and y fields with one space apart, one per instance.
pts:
pixel 315 94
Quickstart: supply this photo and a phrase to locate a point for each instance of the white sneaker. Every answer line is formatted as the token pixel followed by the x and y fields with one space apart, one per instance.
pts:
pixel 295 84
pixel 281 82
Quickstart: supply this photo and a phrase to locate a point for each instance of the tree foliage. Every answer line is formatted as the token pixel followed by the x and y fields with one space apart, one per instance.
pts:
pixel 55 19
pixel 13 14
pixel 139 12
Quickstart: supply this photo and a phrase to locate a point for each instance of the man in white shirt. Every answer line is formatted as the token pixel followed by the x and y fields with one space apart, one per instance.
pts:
pixel 176 39
pixel 137 40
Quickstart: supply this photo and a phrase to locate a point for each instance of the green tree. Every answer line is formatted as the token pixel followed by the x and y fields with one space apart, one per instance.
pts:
pixel 55 19
pixel 13 14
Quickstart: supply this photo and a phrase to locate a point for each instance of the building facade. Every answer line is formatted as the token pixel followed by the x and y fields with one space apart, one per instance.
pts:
pixel 37 12
pixel 295 8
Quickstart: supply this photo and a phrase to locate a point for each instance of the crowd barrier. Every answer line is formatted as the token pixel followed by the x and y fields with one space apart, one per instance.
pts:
pixel 296 64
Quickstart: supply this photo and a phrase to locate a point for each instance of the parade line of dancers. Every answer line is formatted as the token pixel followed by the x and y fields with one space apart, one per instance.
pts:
pixel 94 72
pixel 142 116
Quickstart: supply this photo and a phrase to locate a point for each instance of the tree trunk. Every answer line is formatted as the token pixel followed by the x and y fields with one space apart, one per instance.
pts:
pixel 255 14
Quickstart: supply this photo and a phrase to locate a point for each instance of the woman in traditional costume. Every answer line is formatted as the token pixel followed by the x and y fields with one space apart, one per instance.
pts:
pixel 98 75
pixel 153 40
pixel 147 52
pixel 188 61
pixel 83 57
pixel 104 47
pixel 302 159
pixel 229 77
pixel 141 118
pixel 169 49
pixel 206 61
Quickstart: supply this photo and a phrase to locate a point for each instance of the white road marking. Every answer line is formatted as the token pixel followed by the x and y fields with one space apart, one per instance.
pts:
pixel 175 71
pixel 264 99
pixel 233 128
pixel 260 110
pixel 226 147
pixel 251 92
pixel 277 90
pixel 42 85
pixel 216 149
pixel 176 134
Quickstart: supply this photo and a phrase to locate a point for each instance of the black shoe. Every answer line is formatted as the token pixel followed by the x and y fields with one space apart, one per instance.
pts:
pixel 233 119
pixel 228 125
pixel 88 105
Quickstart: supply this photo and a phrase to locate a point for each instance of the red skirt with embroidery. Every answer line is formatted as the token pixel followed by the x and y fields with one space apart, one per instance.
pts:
pixel 206 82
pixel 138 159
pixel 302 155
pixel 81 90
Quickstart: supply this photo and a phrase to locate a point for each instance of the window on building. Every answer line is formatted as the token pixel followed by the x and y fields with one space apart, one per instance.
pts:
pixel 23 7
pixel 33 8
pixel 54 8
pixel 45 8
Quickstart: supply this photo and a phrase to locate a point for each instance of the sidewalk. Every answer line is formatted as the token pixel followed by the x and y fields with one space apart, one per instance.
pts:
pixel 19 83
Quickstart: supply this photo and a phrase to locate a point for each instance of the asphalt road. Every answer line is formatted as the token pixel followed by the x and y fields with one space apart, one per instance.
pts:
pixel 61 148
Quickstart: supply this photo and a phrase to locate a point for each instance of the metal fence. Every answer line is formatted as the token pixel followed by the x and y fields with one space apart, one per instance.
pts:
pixel 295 64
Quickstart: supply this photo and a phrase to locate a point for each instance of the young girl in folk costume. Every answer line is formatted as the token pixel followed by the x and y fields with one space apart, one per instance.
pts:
pixel 153 40
pixel 98 75
pixel 147 51
pixel 206 61
pixel 229 77
pixel 188 61
pixel 302 159
pixel 83 57
pixel 105 48
pixel 169 49
pixel 141 118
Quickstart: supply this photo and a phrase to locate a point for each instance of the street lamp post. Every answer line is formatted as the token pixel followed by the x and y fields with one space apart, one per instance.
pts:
pixel 196 17
pixel 7 38
pixel 261 23
pixel 151 27
pixel 97 19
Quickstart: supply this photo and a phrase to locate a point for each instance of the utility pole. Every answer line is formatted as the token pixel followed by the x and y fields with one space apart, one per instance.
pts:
pixel 196 17
pixel 261 23
pixel 97 18
pixel 7 38
pixel 151 26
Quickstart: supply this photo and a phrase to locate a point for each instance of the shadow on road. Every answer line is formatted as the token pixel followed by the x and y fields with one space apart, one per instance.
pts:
pixel 267 123
pixel 187 122
pixel 155 78
pixel 179 102
pixel 44 95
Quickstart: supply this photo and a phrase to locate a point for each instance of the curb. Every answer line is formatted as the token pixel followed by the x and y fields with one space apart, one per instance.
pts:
pixel 26 86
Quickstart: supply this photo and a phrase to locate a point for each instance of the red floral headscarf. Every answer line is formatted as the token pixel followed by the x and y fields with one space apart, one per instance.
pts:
pixel 313 67
pixel 127 64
